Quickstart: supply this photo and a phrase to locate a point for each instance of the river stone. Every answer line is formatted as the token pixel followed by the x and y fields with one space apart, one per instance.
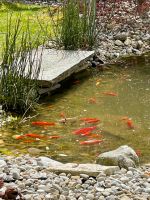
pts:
pixel 127 42
pixel 124 156
pixel 2 163
pixel 125 198
pixel 47 162
pixel 118 43
pixel 121 36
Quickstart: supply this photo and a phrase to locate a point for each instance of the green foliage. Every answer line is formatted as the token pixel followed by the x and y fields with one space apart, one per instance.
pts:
pixel 19 69
pixel 73 28
pixel 28 13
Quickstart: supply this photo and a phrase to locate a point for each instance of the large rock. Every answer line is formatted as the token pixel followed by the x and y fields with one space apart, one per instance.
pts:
pixel 124 157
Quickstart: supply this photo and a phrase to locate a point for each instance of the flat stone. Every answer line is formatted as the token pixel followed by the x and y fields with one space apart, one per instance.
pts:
pixel 57 65
pixel 89 169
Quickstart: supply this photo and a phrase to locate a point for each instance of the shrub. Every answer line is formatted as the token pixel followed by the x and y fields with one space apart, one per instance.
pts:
pixel 20 68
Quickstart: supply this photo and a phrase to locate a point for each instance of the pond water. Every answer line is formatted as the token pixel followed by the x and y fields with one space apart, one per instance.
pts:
pixel 114 96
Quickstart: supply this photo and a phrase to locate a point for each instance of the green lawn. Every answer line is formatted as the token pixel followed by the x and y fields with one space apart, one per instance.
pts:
pixel 33 13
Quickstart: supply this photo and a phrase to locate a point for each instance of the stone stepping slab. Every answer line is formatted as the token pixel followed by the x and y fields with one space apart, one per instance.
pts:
pixel 57 65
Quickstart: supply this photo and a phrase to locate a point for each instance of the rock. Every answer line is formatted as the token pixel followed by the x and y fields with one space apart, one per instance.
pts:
pixel 47 162
pixel 2 163
pixel 125 198
pixel 139 44
pixel 84 176
pixel 124 156
pixel 121 36
pixel 127 42
pixel 34 151
pixel 90 196
pixel 89 169
pixel 136 51
pixel 16 174
pixel 118 43
pixel 124 162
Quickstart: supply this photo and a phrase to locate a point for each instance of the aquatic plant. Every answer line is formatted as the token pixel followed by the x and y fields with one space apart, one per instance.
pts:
pixel 20 68
pixel 74 26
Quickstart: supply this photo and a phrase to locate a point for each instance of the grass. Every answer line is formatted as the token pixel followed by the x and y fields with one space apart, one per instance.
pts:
pixel 72 29
pixel 33 13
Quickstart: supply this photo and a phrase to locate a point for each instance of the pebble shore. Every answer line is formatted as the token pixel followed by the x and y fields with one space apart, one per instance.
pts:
pixel 35 182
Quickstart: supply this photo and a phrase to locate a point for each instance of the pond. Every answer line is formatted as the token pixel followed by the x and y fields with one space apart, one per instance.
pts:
pixel 118 99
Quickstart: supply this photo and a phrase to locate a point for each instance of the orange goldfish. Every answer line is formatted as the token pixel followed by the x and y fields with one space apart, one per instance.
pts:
pixel 86 134
pixel 92 100
pixel 84 130
pixel 34 135
pixel 130 124
pixel 54 137
pixel 110 93
pixel 76 82
pixel 41 123
pixel 18 137
pixel 90 142
pixel 138 153
pixel 62 115
pixel 90 120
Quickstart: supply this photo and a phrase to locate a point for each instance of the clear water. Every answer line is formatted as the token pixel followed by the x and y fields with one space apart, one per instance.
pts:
pixel 130 81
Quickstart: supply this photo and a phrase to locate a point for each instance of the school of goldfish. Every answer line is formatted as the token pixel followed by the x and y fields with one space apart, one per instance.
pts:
pixel 88 132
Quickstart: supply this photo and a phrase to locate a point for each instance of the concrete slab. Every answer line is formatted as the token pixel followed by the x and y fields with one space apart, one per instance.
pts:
pixel 57 65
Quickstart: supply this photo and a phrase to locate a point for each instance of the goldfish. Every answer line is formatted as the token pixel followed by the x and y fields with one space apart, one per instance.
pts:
pixel 97 83
pixel 110 93
pixel 86 134
pixel 34 135
pixel 90 120
pixel 62 115
pixel 90 142
pixel 130 124
pixel 138 153
pixel 50 106
pixel 54 137
pixel 92 100
pixel 41 123
pixel 18 137
pixel 76 82
pixel 84 130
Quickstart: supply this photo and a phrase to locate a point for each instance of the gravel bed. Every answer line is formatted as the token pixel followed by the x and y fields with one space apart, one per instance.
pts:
pixel 32 179
pixel 122 31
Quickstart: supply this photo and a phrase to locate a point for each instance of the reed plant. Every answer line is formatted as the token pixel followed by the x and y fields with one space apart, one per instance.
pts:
pixel 73 27
pixel 20 68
